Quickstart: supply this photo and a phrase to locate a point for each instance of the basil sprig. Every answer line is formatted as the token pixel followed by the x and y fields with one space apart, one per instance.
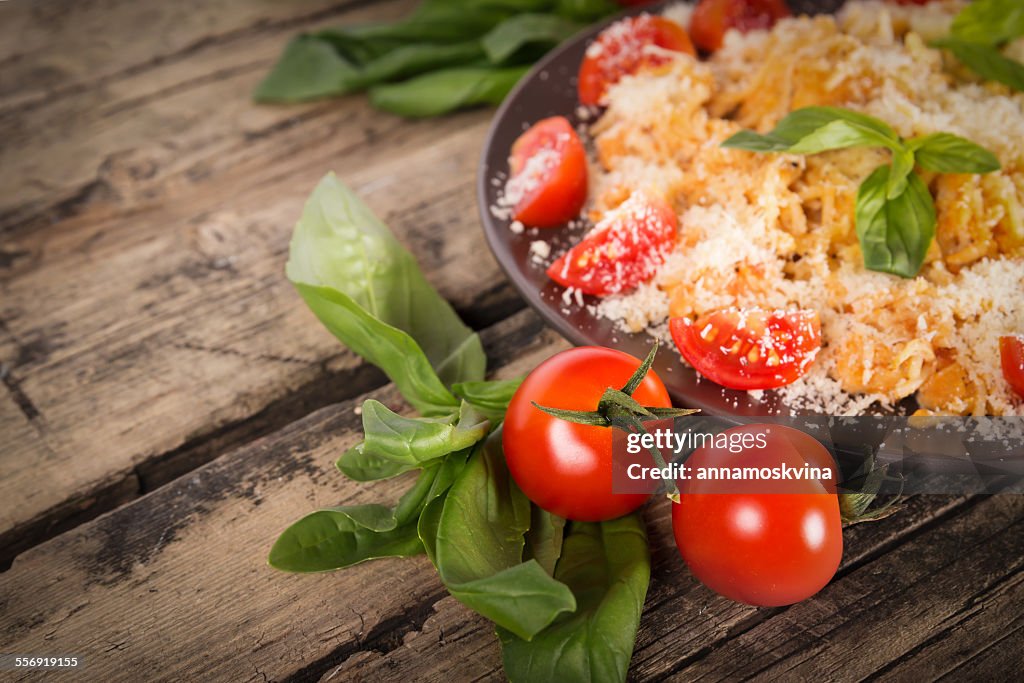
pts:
pixel 447 55
pixel 566 598
pixel 978 34
pixel 895 213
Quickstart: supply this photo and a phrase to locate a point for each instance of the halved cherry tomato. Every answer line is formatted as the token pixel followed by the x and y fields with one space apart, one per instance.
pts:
pixel 624 48
pixel 624 249
pixel 764 542
pixel 1011 355
pixel 564 467
pixel 749 349
pixel 712 18
pixel 548 184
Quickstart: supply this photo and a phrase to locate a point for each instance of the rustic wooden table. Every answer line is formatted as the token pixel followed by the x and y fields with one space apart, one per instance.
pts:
pixel 169 404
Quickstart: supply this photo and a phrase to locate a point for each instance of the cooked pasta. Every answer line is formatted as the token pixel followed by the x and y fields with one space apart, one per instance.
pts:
pixel 777 230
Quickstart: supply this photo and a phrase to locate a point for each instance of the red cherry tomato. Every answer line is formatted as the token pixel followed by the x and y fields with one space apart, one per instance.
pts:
pixel 749 349
pixel 712 18
pixel 548 183
pixel 1011 356
pixel 755 545
pixel 626 47
pixel 624 249
pixel 563 467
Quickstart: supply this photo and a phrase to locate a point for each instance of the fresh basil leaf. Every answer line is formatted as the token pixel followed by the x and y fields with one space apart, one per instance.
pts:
pixel 410 60
pixel 990 22
pixel 333 538
pixel 426 528
pixel 505 39
pixel 608 568
pixel 902 166
pixel 417 441
pixel 948 153
pixel 440 92
pixel 895 233
pixel 986 61
pixel 368 291
pixel 841 134
pixel 585 10
pixel 309 68
pixel 489 397
pixel 756 142
pixel 818 129
pixel 478 546
pixel 360 465
pixel 387 347
pixel 544 538
pixel 339 537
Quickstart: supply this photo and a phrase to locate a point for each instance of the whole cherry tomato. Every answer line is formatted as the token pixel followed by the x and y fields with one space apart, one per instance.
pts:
pixel 765 543
pixel 564 467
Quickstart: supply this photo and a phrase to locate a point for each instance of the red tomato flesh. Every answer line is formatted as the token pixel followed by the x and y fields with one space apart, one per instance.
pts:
pixel 563 467
pixel 760 547
pixel 711 19
pixel 626 47
pixel 624 249
pixel 548 183
pixel 749 349
pixel 1011 357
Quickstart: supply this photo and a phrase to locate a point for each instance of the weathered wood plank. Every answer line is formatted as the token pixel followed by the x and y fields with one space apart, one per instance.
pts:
pixel 976 638
pixel 682 619
pixel 174 586
pixel 887 607
pixel 150 326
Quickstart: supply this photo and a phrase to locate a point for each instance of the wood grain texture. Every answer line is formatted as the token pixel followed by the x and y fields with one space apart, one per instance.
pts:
pixel 145 324
pixel 181 573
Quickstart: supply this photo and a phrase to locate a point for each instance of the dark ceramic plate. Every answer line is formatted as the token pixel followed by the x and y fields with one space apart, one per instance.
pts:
pixel 550 90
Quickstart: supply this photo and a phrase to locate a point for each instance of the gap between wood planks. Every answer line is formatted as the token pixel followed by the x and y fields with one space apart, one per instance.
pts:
pixel 328 388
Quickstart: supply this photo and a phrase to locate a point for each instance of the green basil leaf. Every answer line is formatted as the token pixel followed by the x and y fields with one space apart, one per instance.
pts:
pixel 359 465
pixel 608 568
pixel 895 233
pixel 948 153
pixel 426 528
pixel 432 484
pixel 387 347
pixel 756 142
pixel 478 546
pixel 818 129
pixel 410 60
pixel 902 166
pixel 544 538
pixel 333 538
pixel 417 441
pixel 309 68
pixel 986 61
pixel 505 39
pixel 368 291
pixel 586 10
pixel 440 92
pixel 489 397
pixel 338 537
pixel 990 22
